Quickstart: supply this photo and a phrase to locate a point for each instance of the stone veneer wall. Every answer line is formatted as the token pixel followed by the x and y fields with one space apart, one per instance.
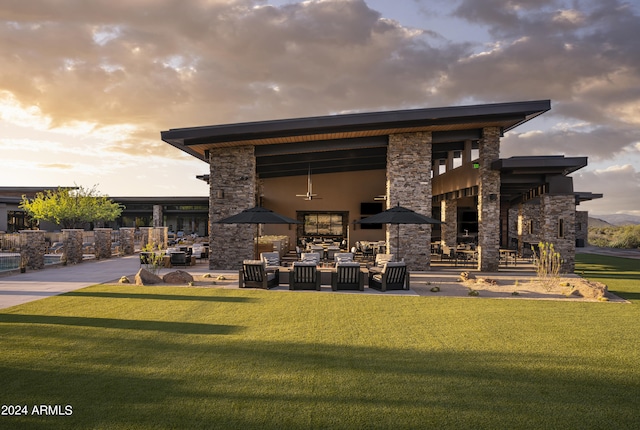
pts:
pixel 489 202
pixel 127 240
pixel 582 227
pixel 232 183
pixel 409 184
pixel 146 236
pixel 102 242
pixel 33 248
pixel 513 226
pixel 157 215
pixel 449 215
pixel 555 208
pixel 160 237
pixel 72 245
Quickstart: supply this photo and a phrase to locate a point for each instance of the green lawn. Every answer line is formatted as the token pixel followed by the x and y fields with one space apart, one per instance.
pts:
pixel 126 357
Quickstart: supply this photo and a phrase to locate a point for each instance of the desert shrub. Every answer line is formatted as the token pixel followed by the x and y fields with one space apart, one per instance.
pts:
pixel 547 263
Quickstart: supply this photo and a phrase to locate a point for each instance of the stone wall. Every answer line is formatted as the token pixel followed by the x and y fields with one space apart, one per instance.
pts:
pixel 558 216
pixel 157 216
pixel 33 248
pixel 127 240
pixel 582 227
pixel 449 215
pixel 489 202
pixel 232 182
pixel 160 237
pixel 102 245
pixel 146 236
pixel 72 245
pixel 409 184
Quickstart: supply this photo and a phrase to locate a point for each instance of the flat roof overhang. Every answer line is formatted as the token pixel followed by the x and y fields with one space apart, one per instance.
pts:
pixel 519 176
pixel 350 142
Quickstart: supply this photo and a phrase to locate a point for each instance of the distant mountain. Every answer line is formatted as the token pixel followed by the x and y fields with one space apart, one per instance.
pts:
pixel 597 222
pixel 618 219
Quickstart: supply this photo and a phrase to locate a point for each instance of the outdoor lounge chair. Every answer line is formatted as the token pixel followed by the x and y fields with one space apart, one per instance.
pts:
pixel 304 276
pixel 178 259
pixel 271 259
pixel 310 257
pixel 394 276
pixel 381 259
pixel 343 257
pixel 254 274
pixel 347 276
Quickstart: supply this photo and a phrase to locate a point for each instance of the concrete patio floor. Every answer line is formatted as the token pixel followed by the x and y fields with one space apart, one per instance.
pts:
pixel 18 288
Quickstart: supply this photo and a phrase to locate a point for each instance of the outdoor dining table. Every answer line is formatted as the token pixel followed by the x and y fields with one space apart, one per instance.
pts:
pixel 506 254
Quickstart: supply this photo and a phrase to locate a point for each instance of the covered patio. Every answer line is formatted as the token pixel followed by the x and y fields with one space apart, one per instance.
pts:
pixel 424 159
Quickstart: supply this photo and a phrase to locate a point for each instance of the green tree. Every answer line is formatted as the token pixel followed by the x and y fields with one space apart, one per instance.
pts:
pixel 71 207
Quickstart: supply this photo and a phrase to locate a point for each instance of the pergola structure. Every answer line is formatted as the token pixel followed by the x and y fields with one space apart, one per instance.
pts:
pixel 411 147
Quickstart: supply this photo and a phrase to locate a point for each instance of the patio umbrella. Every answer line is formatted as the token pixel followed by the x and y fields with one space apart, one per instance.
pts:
pixel 398 215
pixel 257 215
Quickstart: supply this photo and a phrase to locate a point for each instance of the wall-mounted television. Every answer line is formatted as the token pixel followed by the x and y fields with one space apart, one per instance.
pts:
pixel 370 208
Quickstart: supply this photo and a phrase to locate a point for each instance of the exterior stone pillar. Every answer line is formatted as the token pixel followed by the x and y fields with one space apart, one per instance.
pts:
pixel 449 216
pixel 160 237
pixel 146 236
pixel 582 228
pixel 157 216
pixel 409 184
pixel 72 245
pixel 513 227
pixel 127 240
pixel 559 227
pixel 102 245
pixel 33 248
pixel 232 182
pixel 489 202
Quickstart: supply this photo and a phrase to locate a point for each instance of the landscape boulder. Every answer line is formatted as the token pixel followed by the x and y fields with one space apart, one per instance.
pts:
pixel 144 277
pixel 177 277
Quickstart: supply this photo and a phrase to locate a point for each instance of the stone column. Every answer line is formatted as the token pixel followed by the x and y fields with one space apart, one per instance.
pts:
pixel 409 184
pixel 146 238
pixel 127 240
pixel 72 245
pixel 489 202
pixel 559 227
pixel 102 245
pixel 160 237
pixel 33 248
pixel 233 187
pixel 157 216
pixel 449 216
pixel 582 228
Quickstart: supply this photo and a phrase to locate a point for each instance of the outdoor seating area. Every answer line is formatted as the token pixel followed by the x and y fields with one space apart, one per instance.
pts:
pixel 311 273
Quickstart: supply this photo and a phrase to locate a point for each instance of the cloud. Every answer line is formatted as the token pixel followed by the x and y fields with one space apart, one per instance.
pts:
pixel 56 166
pixel 620 185
pixel 109 75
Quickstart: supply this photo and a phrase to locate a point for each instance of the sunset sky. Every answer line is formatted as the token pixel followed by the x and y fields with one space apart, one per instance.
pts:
pixel 86 86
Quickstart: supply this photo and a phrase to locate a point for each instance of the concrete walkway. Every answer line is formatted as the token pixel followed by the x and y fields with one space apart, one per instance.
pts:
pixel 37 284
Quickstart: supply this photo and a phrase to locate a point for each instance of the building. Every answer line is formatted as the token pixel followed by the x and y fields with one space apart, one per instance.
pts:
pixel 442 162
pixel 188 215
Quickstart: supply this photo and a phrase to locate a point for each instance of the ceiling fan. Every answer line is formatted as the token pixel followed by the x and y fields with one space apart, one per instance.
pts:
pixel 309 195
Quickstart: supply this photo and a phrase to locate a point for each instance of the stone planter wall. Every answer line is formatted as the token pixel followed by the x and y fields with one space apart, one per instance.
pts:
pixel 33 248
pixel 72 245
pixel 409 184
pixel 146 236
pixel 102 245
pixel 127 240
